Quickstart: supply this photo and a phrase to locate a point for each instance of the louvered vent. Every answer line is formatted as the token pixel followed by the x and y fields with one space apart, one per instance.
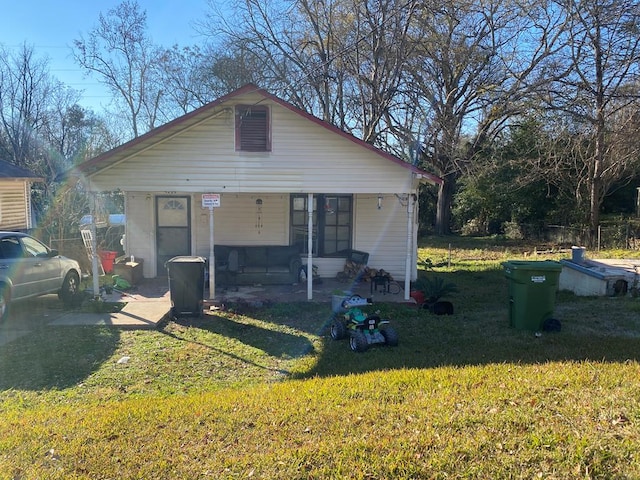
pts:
pixel 252 129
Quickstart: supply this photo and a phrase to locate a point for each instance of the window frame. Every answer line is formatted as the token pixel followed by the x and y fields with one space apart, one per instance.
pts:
pixel 322 224
pixel 253 128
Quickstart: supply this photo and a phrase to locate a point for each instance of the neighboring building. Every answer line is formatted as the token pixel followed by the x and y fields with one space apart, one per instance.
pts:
pixel 15 197
pixel 265 161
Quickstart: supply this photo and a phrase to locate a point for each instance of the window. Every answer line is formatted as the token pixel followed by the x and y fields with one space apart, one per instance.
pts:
pixel 252 128
pixel 331 224
pixel 10 248
pixel 34 248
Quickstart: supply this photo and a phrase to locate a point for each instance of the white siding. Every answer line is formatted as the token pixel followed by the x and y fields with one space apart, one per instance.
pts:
pixel 236 221
pixel 240 221
pixel 140 230
pixel 15 211
pixel 305 157
pixel 382 233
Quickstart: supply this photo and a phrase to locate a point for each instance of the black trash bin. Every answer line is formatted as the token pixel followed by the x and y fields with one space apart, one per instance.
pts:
pixel 186 285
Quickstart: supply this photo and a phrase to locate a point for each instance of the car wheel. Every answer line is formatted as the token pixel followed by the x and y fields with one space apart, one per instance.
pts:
pixel 69 293
pixel 338 330
pixel 358 341
pixel 390 336
pixel 4 303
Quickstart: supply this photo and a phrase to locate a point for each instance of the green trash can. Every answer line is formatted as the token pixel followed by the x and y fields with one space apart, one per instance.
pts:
pixel 532 292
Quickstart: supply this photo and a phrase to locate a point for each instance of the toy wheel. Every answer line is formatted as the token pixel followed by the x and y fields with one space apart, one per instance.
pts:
pixel 338 330
pixel 358 342
pixel 551 325
pixel 390 336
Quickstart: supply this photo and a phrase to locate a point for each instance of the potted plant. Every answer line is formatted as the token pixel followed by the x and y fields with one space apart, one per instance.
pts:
pixel 431 290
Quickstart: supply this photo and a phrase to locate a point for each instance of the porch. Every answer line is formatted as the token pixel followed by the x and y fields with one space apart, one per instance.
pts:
pixel 323 291
pixel 148 305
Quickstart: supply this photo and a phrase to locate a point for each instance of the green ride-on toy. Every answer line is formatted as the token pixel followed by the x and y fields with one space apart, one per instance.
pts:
pixel 363 330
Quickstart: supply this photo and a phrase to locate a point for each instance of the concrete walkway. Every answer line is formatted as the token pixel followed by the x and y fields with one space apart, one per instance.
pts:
pixel 145 307
pixel 135 314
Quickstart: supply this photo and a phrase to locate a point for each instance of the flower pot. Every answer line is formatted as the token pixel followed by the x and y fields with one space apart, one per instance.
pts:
pixel 418 296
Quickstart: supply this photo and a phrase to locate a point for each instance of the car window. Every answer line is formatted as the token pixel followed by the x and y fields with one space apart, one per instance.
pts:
pixel 34 248
pixel 10 248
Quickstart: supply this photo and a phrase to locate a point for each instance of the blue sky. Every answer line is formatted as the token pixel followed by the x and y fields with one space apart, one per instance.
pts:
pixel 51 26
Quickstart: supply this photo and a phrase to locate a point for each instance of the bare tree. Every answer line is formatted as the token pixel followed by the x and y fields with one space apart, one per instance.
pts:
pixel 291 56
pixel 123 57
pixel 44 130
pixel 25 89
pixel 376 64
pixel 475 62
pixel 342 60
pixel 194 76
pixel 598 94
pixel 75 133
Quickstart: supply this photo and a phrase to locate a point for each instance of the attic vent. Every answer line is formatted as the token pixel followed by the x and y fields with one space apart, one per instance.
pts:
pixel 252 129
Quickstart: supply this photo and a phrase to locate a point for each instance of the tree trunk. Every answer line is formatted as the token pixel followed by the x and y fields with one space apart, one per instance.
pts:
pixel 445 201
pixel 595 183
pixel 595 197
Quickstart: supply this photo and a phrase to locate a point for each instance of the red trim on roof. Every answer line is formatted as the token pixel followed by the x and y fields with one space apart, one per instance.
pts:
pixel 251 88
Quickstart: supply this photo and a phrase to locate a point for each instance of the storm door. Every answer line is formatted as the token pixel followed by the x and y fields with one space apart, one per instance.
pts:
pixel 173 229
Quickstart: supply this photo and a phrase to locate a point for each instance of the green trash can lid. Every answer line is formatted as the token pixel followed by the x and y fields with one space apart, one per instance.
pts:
pixel 549 265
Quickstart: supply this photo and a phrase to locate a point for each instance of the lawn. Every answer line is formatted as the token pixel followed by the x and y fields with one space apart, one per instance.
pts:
pixel 265 393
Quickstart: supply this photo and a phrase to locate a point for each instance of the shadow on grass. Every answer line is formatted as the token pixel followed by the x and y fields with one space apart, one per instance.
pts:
pixel 593 329
pixel 303 316
pixel 271 341
pixel 55 357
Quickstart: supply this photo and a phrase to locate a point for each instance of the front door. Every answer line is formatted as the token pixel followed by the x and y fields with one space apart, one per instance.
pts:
pixel 173 229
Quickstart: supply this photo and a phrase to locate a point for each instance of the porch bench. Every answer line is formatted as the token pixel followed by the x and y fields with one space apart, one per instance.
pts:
pixel 257 264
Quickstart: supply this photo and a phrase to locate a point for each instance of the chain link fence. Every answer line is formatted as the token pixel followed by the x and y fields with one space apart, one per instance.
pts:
pixel 73 247
pixel 610 236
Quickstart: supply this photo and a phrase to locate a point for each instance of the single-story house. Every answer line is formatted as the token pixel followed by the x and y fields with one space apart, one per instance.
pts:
pixel 250 169
pixel 15 197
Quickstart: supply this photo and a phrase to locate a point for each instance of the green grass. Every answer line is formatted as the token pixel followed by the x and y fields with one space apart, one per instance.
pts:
pixel 264 393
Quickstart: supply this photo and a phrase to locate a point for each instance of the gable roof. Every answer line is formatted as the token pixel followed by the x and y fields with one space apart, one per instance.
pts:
pixel 174 127
pixel 8 170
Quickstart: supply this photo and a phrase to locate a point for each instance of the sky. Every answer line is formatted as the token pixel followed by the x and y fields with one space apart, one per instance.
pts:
pixel 50 27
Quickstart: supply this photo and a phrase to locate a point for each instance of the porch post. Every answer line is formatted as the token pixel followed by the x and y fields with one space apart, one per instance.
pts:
pixel 310 246
pixel 212 258
pixel 94 247
pixel 409 258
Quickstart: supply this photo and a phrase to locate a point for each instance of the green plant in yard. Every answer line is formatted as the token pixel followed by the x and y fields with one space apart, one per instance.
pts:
pixel 435 288
pixel 101 306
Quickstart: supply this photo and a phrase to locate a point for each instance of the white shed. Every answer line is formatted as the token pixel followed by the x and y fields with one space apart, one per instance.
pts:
pixel 253 165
